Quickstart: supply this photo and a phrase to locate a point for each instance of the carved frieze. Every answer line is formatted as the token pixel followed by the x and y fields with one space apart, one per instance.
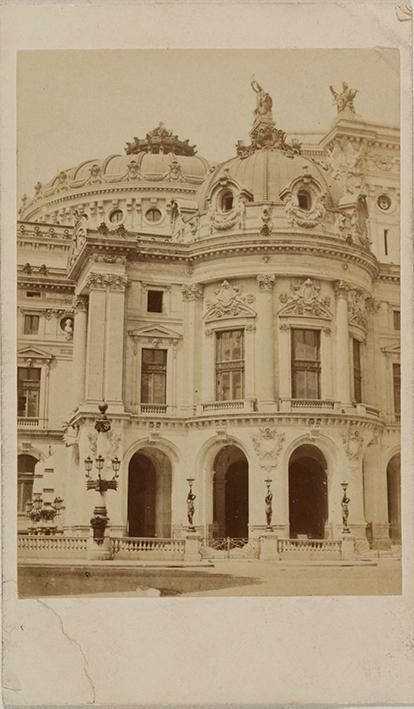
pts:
pixel 229 302
pixel 193 292
pixel 113 281
pixel 79 303
pixel 346 164
pixel 268 444
pixel 357 308
pixel 305 299
pixel 353 442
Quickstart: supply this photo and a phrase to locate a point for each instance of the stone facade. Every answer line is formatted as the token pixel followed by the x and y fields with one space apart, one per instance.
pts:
pixel 241 321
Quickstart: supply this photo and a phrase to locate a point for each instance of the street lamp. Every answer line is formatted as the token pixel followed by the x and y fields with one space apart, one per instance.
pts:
pixel 100 518
pixel 345 509
pixel 43 513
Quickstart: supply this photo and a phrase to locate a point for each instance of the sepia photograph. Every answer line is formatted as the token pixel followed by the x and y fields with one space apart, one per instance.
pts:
pixel 208 328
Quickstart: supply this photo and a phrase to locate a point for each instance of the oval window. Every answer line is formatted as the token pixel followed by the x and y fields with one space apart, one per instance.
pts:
pixel 153 215
pixel 116 216
pixel 304 200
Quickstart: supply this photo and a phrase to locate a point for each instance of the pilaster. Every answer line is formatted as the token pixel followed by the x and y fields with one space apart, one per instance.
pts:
pixel 265 384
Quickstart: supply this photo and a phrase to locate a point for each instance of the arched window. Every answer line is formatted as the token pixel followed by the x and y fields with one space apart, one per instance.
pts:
pixel 227 201
pixel 304 200
pixel 25 477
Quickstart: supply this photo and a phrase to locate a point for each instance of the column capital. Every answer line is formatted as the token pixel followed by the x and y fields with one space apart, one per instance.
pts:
pixel 80 303
pixel 265 281
pixel 193 292
pixel 103 281
pixel 342 288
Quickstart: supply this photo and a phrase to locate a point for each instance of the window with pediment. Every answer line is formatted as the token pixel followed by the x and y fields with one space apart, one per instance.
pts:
pixel 229 365
pixel 25 478
pixel 28 392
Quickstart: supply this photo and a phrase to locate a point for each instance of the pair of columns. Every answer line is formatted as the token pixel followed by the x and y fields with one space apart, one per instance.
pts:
pixel 98 340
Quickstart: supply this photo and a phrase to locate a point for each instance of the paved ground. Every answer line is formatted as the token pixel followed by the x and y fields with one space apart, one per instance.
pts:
pixel 225 578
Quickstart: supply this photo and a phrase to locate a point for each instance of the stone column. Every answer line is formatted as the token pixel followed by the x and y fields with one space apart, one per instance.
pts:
pixel 376 494
pixel 114 339
pixel 192 296
pixel 80 307
pixel 249 364
pixel 285 376
pixel 105 338
pixel 342 360
pixel 95 348
pixel 265 380
pixel 327 364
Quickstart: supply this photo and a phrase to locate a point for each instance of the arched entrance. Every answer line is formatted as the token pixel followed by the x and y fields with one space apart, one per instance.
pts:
pixel 231 493
pixel 308 493
pixel 394 498
pixel 149 494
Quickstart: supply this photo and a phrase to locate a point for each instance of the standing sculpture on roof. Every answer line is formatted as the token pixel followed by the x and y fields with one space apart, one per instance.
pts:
pixel 344 100
pixel 264 103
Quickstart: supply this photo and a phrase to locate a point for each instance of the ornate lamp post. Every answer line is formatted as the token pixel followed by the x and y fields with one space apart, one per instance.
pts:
pixel 268 505
pixel 100 484
pixel 190 505
pixel 345 509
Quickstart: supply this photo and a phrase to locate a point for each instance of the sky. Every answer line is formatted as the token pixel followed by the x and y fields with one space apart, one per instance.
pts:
pixel 78 105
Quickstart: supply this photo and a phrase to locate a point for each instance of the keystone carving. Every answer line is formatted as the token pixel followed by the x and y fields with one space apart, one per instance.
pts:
pixel 265 281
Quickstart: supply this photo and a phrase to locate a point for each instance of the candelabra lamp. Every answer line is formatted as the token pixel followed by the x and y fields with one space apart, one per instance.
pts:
pixel 43 513
pixel 190 505
pixel 345 509
pixel 100 484
pixel 268 505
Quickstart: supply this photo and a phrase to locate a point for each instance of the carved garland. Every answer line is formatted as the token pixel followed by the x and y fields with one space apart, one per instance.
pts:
pixel 268 445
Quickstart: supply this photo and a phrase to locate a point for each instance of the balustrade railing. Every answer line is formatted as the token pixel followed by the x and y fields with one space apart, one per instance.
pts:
pixel 46 543
pixel 308 545
pixel 153 409
pixel 147 545
pixel 30 422
pixel 311 403
pixel 219 405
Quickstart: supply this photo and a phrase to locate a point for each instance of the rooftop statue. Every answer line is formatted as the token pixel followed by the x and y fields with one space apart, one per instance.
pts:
pixel 264 103
pixel 264 133
pixel 344 100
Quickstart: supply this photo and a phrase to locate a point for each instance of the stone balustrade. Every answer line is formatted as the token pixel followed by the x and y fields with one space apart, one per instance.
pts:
pixel 148 548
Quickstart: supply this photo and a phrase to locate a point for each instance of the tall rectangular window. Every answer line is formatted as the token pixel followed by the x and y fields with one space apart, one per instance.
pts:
pixel 396 382
pixel 230 365
pixel 154 376
pixel 28 392
pixel 306 364
pixel 396 320
pixel 356 353
pixel 31 324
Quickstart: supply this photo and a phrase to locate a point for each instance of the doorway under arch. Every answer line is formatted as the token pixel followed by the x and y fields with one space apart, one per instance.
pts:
pixel 308 493
pixel 149 494
pixel 231 493
pixel 394 498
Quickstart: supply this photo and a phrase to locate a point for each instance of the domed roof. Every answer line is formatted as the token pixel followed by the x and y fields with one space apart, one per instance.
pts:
pixel 264 173
pixel 160 156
